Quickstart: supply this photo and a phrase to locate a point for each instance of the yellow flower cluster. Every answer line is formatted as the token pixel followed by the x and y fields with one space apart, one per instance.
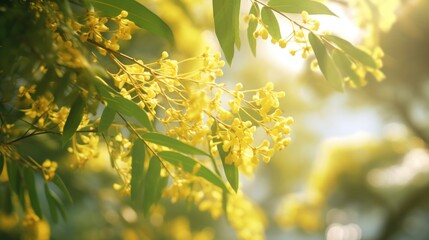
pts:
pixel 245 217
pixel 362 70
pixel 94 28
pixel 84 147
pixel 43 109
pixel 48 168
pixel 64 44
pixel 187 186
pixel 296 36
pixel 45 115
pixel 120 153
pixel 189 104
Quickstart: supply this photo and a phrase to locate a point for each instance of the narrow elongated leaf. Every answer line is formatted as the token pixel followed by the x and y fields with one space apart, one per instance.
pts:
pixel 106 119
pixel 13 175
pixel 236 22
pixel 151 184
pixel 163 181
pixel 188 164
pixel 137 13
pixel 73 120
pixel 30 182
pixel 172 143
pixel 51 204
pixel 252 28
pixel 297 6
pixel 59 205
pixel 55 204
pixel 326 64
pixel 345 66
pixel 270 20
pixel 226 21
pixel 1 163
pixel 354 52
pixel 60 184
pixel 122 105
pixel 225 202
pixel 137 169
pixel 231 170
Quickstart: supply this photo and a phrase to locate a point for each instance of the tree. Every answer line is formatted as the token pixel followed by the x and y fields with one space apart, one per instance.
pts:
pixel 70 89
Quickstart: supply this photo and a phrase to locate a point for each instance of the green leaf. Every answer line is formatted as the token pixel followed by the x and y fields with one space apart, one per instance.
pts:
pixel 354 52
pixel 13 175
pixel 122 105
pixel 137 13
pixel 326 64
pixel 106 119
pixel 297 6
pixel 30 182
pixel 345 66
pixel 73 120
pixel 137 169
pixel 51 204
pixel 236 22
pixel 172 143
pixel 225 202
pixel 60 184
pixel 55 204
pixel 226 20
pixel 188 164
pixel 151 184
pixel 270 20
pixel 59 205
pixel 161 186
pixel 252 28
pixel 1 163
pixel 231 170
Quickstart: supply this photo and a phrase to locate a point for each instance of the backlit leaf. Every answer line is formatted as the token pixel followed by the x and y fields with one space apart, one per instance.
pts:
pixel 345 66
pixel 137 169
pixel 73 120
pixel 326 64
pixel 172 143
pixel 122 105
pixel 188 164
pixel 225 202
pixel 297 6
pixel 252 28
pixel 151 184
pixel 270 20
pixel 226 21
pixel 106 119
pixel 231 170
pixel 137 13
pixel 236 22
pixel 354 52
